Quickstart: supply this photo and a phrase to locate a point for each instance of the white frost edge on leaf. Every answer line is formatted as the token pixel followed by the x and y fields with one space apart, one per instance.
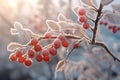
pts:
pixel 14 46
pixel 89 3
pixel 106 2
pixel 52 25
pixel 59 67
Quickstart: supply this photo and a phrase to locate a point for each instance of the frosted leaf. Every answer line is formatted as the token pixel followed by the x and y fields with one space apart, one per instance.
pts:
pixel 23 33
pixel 112 18
pixel 13 46
pixel 52 25
pixel 91 14
pixel 90 3
pixel 59 67
pixel 75 10
pixel 116 7
pixel 106 2
pixel 61 17
pixel 13 31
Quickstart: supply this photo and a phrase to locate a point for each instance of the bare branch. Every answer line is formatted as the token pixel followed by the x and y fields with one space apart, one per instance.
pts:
pixel 108 51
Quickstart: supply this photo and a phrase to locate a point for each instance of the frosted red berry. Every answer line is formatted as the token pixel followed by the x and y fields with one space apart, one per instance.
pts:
pixel 39 58
pixel 82 19
pixel 21 59
pixel 34 42
pixel 62 38
pixel 28 62
pixel 12 57
pixel 57 43
pixel 37 48
pixel 82 11
pixel 75 45
pixel 45 52
pixel 65 43
pixel 19 53
pixel 31 53
pixel 46 58
pixel 53 51
pixel 47 35
pixel 85 25
pixel 114 30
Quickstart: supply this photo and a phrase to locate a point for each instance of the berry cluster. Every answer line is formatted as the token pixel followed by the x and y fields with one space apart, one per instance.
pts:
pixel 82 18
pixel 38 52
pixel 113 28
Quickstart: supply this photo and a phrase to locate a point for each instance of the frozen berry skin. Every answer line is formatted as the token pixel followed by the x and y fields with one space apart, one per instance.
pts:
pixel 82 19
pixel 28 62
pixel 62 38
pixel 39 58
pixel 75 45
pixel 57 43
pixel 19 53
pixel 81 11
pixel 46 58
pixel 47 35
pixel 21 59
pixel 34 42
pixel 37 48
pixel 85 25
pixel 45 52
pixel 65 43
pixel 12 57
pixel 31 53
pixel 53 51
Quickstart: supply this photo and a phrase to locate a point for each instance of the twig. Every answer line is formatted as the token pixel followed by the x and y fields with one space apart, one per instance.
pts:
pixel 96 23
pixel 108 51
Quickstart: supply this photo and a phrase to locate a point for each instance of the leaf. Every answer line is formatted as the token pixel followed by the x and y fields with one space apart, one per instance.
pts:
pixel 91 14
pixel 61 17
pixel 112 18
pixel 60 65
pixel 13 31
pixel 52 25
pixel 14 46
pixel 90 3
pixel 116 7
pixel 18 26
pixel 106 2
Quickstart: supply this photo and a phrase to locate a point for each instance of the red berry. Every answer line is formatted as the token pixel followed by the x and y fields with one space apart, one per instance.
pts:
pixel 118 28
pixel 62 38
pixel 105 23
pixel 82 19
pixel 39 58
pixel 28 62
pixel 75 45
pixel 109 27
pixel 46 58
pixel 37 48
pixel 85 25
pixel 53 51
pixel 114 30
pixel 31 54
pixel 65 43
pixel 101 22
pixel 34 42
pixel 45 52
pixel 19 53
pixel 57 43
pixel 21 59
pixel 47 35
pixel 12 57
pixel 82 11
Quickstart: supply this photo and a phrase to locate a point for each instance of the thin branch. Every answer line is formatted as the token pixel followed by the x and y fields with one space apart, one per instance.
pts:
pixel 108 51
pixel 96 23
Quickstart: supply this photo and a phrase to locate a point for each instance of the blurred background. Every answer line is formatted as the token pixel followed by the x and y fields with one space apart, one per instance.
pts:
pixel 87 63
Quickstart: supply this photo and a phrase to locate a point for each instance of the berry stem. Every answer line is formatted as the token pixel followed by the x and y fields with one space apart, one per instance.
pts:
pixel 96 23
